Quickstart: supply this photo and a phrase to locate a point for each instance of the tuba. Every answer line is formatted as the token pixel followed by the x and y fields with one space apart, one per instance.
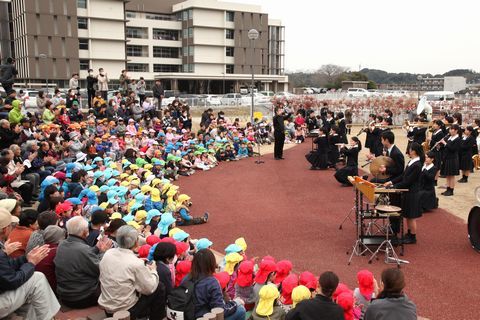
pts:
pixel 426 146
pixel 476 161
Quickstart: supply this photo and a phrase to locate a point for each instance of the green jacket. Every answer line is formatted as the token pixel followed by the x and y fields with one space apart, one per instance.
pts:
pixel 15 115
pixel 48 116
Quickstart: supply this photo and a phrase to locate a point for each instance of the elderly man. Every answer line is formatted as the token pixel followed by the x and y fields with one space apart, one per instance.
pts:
pixel 33 177
pixel 77 266
pixel 22 290
pixel 31 151
pixel 129 284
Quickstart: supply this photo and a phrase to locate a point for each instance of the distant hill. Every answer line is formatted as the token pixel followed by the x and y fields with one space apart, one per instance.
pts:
pixel 380 76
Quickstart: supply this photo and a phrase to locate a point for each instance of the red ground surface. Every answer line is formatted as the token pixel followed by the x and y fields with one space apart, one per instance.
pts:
pixel 287 211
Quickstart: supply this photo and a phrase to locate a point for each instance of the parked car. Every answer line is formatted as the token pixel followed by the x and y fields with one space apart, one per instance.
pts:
pixel 29 98
pixel 358 93
pixel 258 98
pixel 233 99
pixel 268 93
pixel 212 100
pixel 284 94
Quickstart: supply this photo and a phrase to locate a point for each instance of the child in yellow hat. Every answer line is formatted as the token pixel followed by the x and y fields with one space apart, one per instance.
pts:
pixel 268 306
pixel 183 212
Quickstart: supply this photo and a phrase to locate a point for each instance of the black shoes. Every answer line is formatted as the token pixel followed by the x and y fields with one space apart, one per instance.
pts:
pixel 448 192
pixel 463 180
pixel 279 158
pixel 410 238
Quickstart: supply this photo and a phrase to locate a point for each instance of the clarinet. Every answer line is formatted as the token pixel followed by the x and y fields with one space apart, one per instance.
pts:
pixel 444 138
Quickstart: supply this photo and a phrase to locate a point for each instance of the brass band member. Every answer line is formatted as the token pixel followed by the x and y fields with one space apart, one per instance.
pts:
pixel 319 158
pixel 450 166
pixel 333 152
pixel 476 135
pixel 410 179
pixel 351 162
pixel 370 139
pixel 342 127
pixel 466 148
pixel 392 151
pixel 426 196
pixel 435 146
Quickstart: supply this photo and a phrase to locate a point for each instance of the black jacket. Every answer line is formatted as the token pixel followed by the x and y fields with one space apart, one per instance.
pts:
pixel 91 83
pixel 7 137
pixel 318 308
pixel 352 156
pixel 279 125
pixel 399 163
pixel 14 272
pixel 158 91
pixel 410 179
pixel 452 148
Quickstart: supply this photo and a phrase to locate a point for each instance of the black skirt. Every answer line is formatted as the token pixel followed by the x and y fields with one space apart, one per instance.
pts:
pixel 450 167
pixel 427 199
pixel 438 157
pixel 466 162
pixel 317 159
pixel 342 174
pixel 411 208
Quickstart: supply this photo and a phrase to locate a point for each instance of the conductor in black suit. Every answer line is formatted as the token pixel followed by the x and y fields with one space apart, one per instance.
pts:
pixel 279 133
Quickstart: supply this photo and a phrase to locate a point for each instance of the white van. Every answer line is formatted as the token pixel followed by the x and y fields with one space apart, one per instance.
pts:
pixel 358 93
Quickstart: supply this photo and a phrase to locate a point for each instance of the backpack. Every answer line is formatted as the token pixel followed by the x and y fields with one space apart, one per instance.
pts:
pixel 181 302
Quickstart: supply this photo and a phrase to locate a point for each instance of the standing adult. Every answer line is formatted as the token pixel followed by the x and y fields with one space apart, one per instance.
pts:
pixel 91 82
pixel 158 94
pixel 140 87
pixel 8 72
pixel 102 79
pixel 279 133
pixel 73 85
pixel 124 80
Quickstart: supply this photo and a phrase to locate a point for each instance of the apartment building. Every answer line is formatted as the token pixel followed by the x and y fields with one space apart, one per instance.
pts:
pixel 194 46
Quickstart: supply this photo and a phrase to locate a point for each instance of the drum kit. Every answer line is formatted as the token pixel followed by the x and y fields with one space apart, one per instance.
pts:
pixel 373 214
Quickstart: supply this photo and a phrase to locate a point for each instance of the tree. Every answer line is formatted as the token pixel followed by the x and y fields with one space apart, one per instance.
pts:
pixel 372 85
pixel 331 71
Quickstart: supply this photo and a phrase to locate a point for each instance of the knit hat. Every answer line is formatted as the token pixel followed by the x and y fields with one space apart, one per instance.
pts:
pixel 283 270
pixel 223 278
pixel 288 284
pixel 231 260
pixel 267 294
pixel 365 282
pixel 299 294
pixel 265 268
pixel 245 273
pixel 53 234
pixel 308 280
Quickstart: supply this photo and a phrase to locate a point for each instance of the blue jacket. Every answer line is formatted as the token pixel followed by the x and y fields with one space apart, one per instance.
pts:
pixel 209 295
pixel 14 272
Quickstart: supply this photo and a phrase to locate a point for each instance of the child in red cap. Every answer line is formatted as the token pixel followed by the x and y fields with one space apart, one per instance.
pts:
pixel 181 270
pixel 244 284
pixel 266 274
pixel 64 212
pixel 283 270
pixel 288 284
pixel 366 291
pixel 308 280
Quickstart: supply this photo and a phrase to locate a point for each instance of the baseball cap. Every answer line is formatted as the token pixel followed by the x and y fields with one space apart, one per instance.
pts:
pixel 6 218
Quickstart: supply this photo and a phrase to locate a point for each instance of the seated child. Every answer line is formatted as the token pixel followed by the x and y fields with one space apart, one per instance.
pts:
pixel 268 307
pixel 183 212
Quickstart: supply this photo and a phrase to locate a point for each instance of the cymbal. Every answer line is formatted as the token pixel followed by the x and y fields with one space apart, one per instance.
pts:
pixel 387 208
pixel 377 163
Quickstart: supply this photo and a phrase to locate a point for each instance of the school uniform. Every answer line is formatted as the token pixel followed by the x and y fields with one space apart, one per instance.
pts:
pixel 342 130
pixel 319 158
pixel 438 150
pixel 351 165
pixel 410 179
pixel 465 154
pixel 369 140
pixel 426 196
pixel 451 166
pixel 333 153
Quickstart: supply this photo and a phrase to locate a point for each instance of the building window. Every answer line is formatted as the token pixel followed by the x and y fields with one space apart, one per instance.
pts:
pixel 185 33
pixel 82 4
pixel 229 68
pixel 159 16
pixel 137 51
pixel 188 67
pixel 130 14
pixel 82 23
pixel 229 34
pixel 137 67
pixel 136 33
pixel 190 14
pixel 229 16
pixel 83 44
pixel 191 51
pixel 229 51
pixel 185 51
pixel 84 64
pixel 190 32
pixel 166 52
pixel 164 34
pixel 166 68
pixel 184 15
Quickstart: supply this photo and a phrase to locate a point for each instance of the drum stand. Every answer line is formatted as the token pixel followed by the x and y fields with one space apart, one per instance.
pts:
pixel 386 246
pixel 355 209
pixel 359 248
pixel 259 155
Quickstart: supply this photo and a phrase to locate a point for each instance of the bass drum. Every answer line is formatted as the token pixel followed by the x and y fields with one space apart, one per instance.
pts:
pixel 474 227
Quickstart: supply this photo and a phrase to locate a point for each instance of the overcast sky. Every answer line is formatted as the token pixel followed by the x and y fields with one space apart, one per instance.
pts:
pixel 417 36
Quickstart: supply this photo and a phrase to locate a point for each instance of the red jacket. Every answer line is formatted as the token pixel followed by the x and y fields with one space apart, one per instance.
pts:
pixel 47 267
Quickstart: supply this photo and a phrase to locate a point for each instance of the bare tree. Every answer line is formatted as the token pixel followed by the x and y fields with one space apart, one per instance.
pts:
pixel 331 71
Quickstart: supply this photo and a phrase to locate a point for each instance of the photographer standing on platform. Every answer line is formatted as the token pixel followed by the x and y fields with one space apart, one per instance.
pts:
pixel 279 132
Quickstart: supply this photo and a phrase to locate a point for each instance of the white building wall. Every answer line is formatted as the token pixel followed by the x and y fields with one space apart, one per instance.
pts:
pixel 209 54
pixel 209 18
pixel 209 36
pixel 454 84
pixel 106 29
pixel 113 9
pixel 209 69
